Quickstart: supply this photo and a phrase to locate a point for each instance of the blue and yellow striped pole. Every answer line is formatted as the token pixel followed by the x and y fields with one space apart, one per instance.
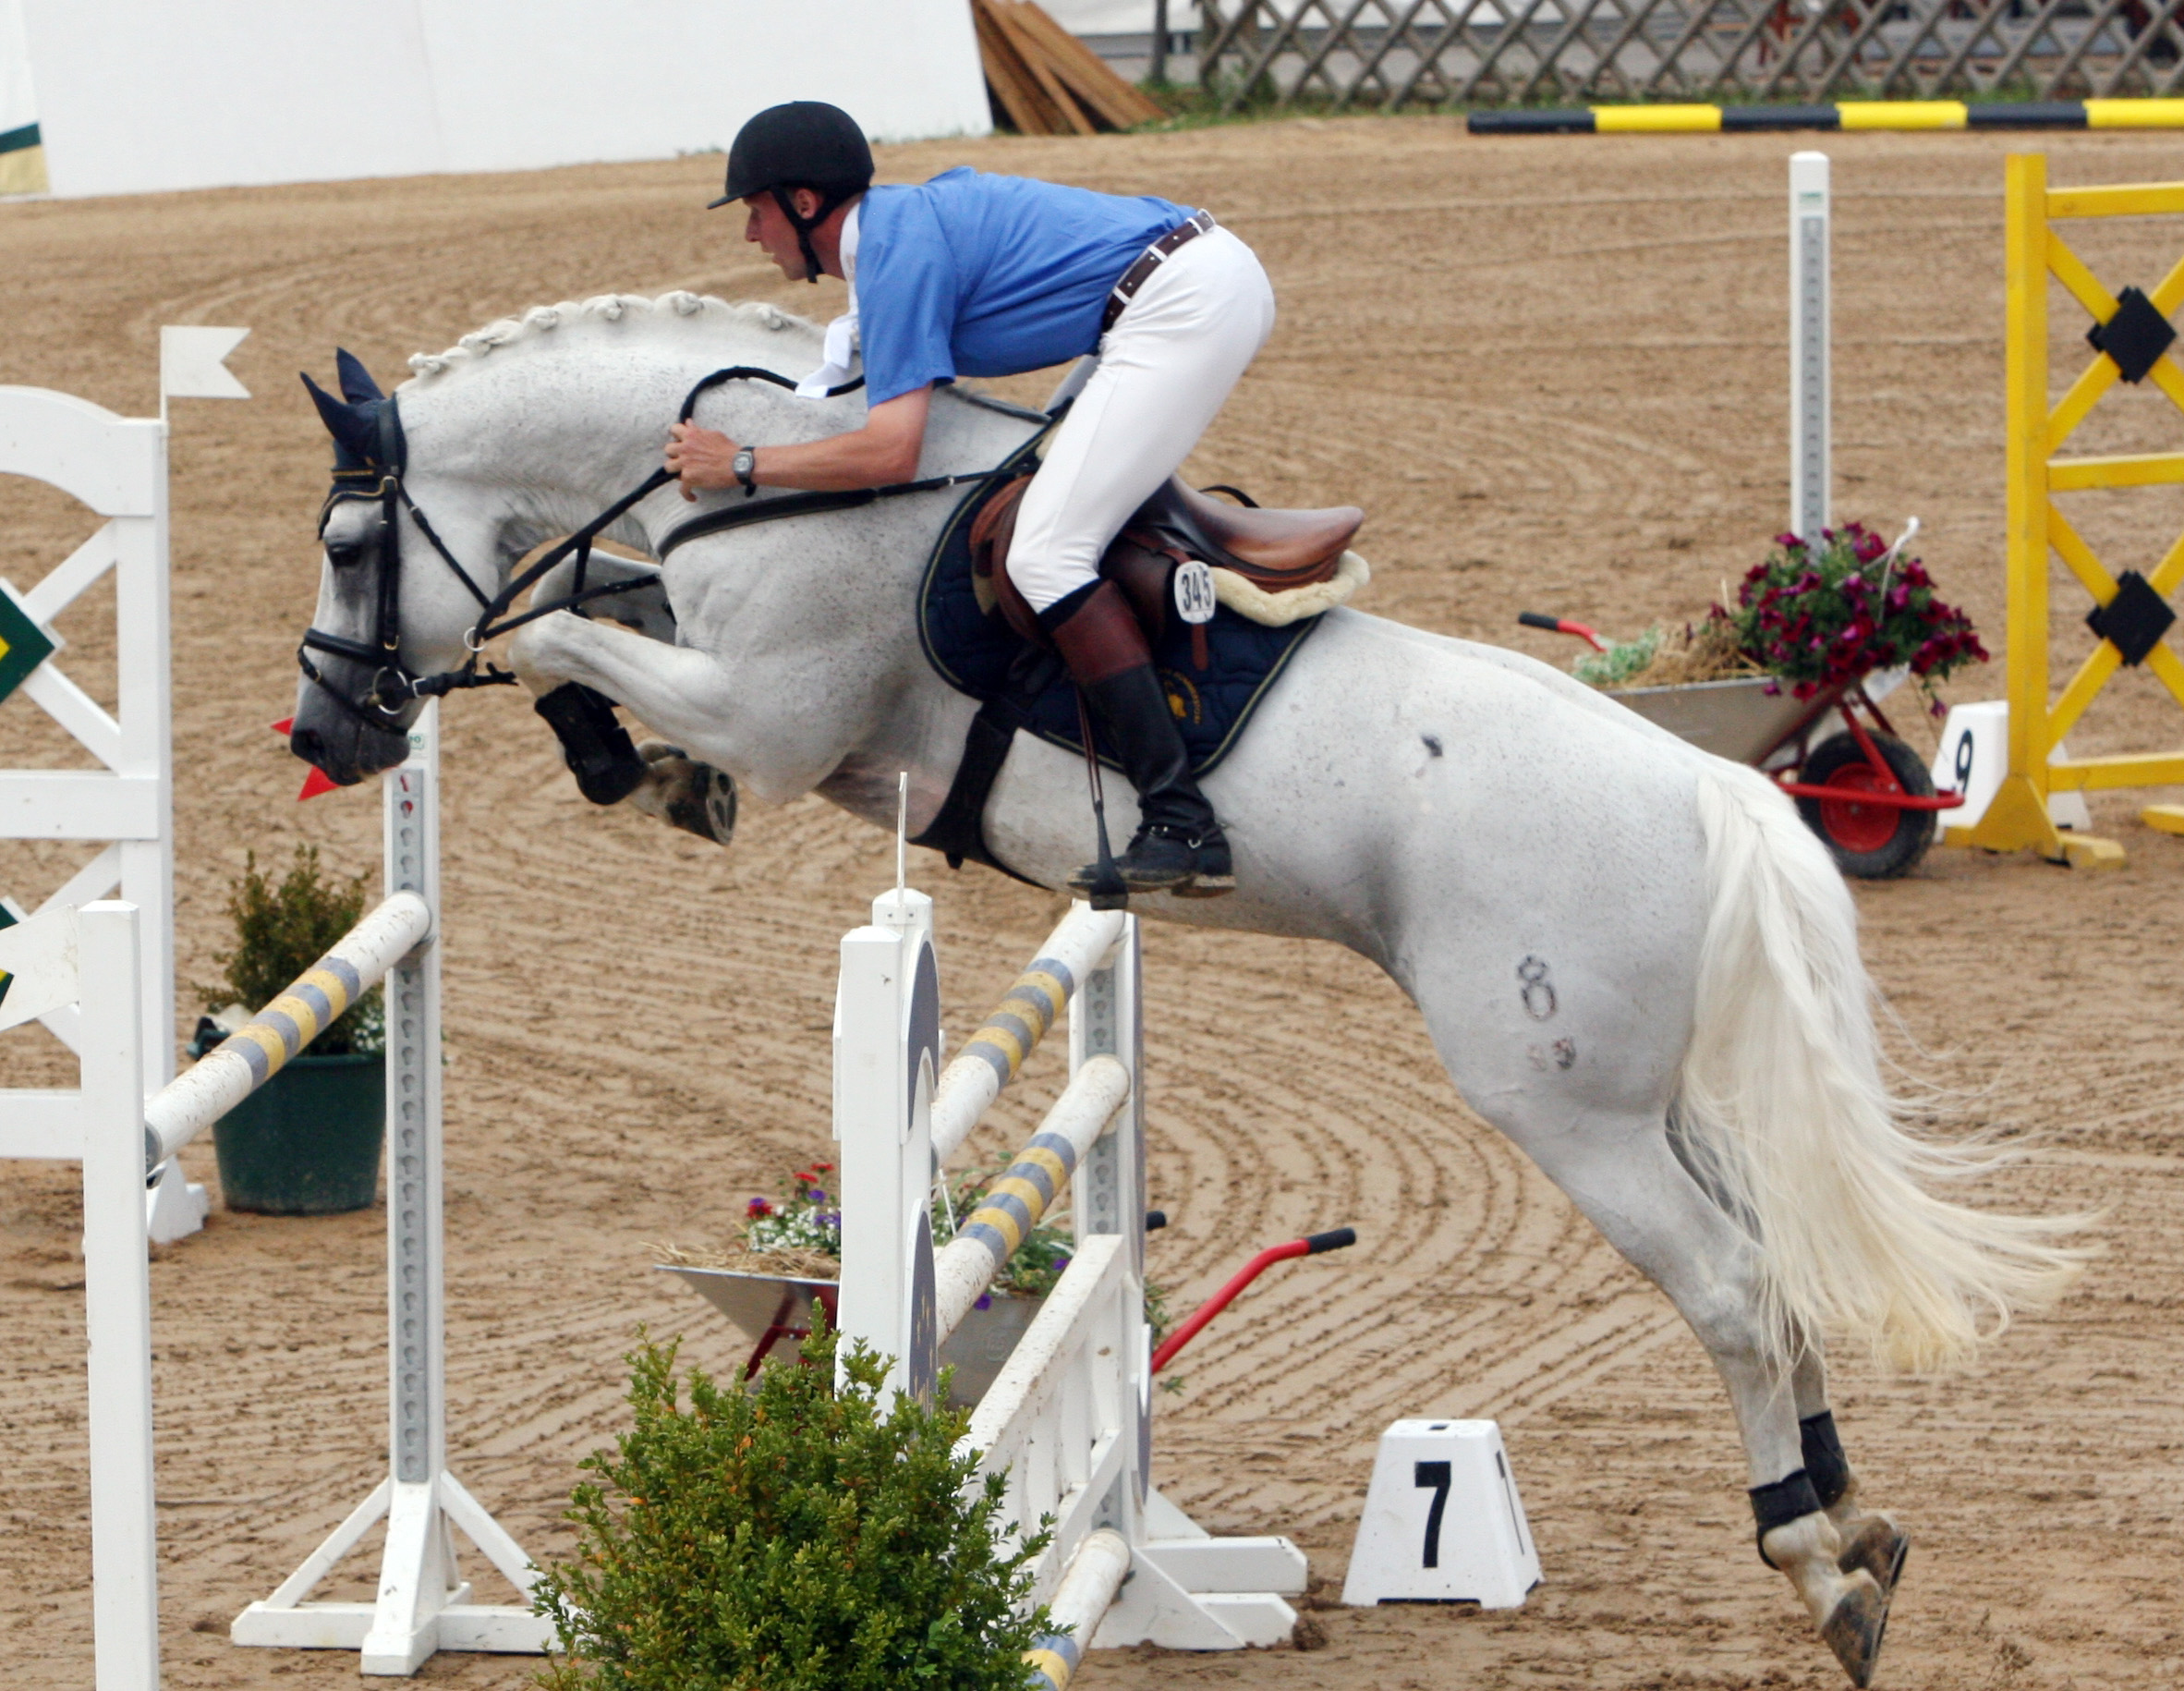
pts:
pixel 991 1057
pixel 1094 1577
pixel 189 1104
pixel 1037 1175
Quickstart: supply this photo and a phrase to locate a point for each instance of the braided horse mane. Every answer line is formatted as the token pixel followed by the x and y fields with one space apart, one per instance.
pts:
pixel 608 309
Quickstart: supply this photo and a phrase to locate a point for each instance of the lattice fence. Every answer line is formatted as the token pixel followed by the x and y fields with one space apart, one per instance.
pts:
pixel 1391 53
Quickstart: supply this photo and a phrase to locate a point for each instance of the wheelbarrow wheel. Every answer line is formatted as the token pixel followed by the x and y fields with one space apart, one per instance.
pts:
pixel 1874 841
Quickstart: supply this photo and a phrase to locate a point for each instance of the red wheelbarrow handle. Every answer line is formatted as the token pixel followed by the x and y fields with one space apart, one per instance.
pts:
pixel 1561 624
pixel 1309 1247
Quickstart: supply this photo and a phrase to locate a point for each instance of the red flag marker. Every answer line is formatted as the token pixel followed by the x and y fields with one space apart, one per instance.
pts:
pixel 318 780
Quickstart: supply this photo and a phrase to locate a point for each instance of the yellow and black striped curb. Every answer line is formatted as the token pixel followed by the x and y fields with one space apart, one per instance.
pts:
pixel 1845 115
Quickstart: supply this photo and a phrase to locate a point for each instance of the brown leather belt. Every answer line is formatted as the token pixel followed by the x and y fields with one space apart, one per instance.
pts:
pixel 1150 259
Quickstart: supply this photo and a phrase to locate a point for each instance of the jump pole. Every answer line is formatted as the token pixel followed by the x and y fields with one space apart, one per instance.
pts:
pixel 1811 472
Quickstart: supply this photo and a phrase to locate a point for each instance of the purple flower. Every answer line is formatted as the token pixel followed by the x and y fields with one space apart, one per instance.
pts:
pixel 985 1301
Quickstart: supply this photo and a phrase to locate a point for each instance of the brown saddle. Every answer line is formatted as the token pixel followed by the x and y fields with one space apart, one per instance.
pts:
pixel 1276 551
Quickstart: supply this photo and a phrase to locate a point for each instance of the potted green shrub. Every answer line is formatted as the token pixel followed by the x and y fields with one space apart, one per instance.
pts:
pixel 308 1142
pixel 795 1538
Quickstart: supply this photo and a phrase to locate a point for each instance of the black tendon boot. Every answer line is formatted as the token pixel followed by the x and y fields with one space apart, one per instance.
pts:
pixel 1179 846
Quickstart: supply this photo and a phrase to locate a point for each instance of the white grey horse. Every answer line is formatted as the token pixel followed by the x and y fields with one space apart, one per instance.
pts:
pixel 1633 958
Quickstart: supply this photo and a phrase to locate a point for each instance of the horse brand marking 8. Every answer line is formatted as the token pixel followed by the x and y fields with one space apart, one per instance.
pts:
pixel 1538 992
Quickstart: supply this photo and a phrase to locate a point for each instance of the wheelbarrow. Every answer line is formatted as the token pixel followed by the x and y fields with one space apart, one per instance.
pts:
pixel 771 1308
pixel 1857 783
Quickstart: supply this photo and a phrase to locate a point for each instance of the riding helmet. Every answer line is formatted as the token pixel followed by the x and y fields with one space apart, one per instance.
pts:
pixel 806 143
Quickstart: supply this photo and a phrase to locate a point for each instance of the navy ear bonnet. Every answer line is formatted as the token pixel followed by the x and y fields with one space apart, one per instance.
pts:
pixel 365 430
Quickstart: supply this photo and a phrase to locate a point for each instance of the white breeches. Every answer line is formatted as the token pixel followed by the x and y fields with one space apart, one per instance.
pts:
pixel 1165 370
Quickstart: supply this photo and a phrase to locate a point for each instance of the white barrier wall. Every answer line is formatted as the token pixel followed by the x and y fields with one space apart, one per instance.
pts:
pixel 136 96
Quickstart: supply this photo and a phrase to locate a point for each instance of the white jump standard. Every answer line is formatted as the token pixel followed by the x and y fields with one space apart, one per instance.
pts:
pixel 1068 1418
pixel 423 1604
pixel 91 958
pixel 116 466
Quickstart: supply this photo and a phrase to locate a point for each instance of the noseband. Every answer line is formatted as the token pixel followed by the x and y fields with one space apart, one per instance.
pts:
pixel 381 478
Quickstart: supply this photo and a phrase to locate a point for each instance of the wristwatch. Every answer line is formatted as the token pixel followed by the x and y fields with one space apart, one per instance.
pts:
pixel 746 465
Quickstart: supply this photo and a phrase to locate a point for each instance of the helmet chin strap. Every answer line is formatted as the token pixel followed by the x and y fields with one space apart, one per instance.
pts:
pixel 783 197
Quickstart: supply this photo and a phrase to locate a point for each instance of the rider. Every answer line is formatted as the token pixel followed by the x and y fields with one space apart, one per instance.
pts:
pixel 971 275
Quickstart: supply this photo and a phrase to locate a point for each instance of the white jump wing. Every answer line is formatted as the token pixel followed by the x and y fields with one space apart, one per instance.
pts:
pixel 38 967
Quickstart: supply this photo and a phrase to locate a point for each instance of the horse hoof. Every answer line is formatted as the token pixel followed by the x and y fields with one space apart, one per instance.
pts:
pixel 684 794
pixel 706 808
pixel 1874 1543
pixel 1853 1629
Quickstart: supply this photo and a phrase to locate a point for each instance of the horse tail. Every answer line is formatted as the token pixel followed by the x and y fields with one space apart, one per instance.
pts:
pixel 1783 1113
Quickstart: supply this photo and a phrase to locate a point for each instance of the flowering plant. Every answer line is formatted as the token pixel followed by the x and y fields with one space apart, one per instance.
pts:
pixel 803 1218
pixel 1822 617
pixel 808 1217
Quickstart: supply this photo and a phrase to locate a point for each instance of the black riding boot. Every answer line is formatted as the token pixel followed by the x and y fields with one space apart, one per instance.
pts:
pixel 1179 846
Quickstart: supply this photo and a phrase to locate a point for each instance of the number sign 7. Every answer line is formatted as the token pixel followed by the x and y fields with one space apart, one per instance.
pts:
pixel 1434 1474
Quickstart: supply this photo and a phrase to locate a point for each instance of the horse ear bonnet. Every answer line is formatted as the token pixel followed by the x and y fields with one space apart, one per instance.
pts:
pixel 357 386
pixel 354 426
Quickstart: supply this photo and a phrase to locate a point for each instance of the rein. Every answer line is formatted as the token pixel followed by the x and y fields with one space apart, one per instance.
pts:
pixel 393 686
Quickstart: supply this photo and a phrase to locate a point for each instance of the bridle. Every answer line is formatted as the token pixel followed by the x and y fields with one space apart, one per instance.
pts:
pixel 381 478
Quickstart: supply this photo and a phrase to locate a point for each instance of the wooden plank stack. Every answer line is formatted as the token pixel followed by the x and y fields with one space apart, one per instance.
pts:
pixel 1047 81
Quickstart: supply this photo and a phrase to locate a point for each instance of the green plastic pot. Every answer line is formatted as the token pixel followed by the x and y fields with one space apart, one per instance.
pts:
pixel 307 1142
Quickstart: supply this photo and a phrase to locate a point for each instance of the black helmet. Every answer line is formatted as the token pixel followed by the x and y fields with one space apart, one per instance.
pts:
pixel 806 143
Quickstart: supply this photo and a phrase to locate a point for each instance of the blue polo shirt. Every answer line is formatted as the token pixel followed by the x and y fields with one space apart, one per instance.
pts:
pixel 980 275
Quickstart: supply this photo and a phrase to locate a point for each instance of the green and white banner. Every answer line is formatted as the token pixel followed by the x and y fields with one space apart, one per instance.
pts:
pixel 22 158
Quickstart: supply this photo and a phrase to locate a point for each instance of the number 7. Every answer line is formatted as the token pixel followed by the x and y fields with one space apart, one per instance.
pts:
pixel 1434 1474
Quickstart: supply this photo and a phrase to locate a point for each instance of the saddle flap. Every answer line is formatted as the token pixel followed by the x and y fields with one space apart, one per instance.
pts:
pixel 992 530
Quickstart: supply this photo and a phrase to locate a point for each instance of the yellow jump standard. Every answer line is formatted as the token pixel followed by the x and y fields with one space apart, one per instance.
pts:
pixel 1844 114
pixel 2131 613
